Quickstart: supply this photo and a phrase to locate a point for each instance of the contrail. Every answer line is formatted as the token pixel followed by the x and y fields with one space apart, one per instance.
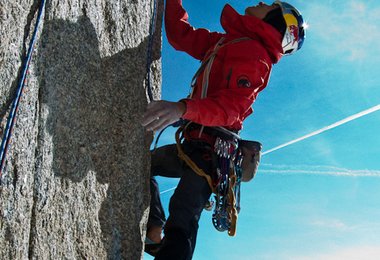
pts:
pixel 165 191
pixel 348 173
pixel 324 129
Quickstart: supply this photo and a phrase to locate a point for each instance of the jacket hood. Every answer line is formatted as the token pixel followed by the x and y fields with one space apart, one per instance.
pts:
pixel 248 26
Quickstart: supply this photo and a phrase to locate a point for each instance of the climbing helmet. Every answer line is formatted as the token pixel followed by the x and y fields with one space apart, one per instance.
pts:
pixel 295 28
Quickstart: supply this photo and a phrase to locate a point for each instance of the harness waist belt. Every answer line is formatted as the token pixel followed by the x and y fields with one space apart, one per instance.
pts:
pixel 208 134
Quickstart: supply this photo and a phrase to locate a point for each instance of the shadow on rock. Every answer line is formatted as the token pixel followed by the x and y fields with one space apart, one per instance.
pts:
pixel 94 108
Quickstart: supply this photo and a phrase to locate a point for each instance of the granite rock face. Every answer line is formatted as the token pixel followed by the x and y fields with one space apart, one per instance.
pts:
pixel 75 182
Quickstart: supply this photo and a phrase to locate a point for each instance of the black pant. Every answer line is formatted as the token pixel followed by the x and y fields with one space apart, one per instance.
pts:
pixel 187 202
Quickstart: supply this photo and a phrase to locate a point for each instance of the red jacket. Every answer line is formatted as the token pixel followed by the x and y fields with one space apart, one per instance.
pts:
pixel 240 70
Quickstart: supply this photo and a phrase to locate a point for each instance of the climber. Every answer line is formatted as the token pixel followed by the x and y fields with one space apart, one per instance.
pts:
pixel 235 67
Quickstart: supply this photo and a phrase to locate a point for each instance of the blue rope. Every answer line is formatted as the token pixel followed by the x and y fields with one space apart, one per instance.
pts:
pixel 150 49
pixel 12 115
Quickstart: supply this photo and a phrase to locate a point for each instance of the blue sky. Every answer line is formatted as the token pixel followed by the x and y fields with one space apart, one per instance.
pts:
pixel 318 198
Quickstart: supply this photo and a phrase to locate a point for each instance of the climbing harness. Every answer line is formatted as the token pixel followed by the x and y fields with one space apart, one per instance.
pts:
pixel 12 115
pixel 231 153
pixel 150 50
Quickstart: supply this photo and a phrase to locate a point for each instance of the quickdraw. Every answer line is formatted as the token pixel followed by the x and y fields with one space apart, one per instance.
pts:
pixel 227 195
pixel 238 161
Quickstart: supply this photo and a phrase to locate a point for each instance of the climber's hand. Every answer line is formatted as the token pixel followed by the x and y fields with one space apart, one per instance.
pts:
pixel 162 113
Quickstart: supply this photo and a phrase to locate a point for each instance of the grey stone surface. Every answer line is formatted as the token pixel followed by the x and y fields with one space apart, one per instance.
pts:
pixel 75 183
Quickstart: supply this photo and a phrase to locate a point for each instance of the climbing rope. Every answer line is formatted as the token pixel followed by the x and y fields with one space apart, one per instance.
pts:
pixel 12 115
pixel 189 162
pixel 152 30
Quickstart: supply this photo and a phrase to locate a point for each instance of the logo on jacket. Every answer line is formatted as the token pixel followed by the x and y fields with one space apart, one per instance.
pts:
pixel 243 82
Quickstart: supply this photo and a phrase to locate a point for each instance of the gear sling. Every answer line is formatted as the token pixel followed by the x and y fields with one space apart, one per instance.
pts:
pixel 235 159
